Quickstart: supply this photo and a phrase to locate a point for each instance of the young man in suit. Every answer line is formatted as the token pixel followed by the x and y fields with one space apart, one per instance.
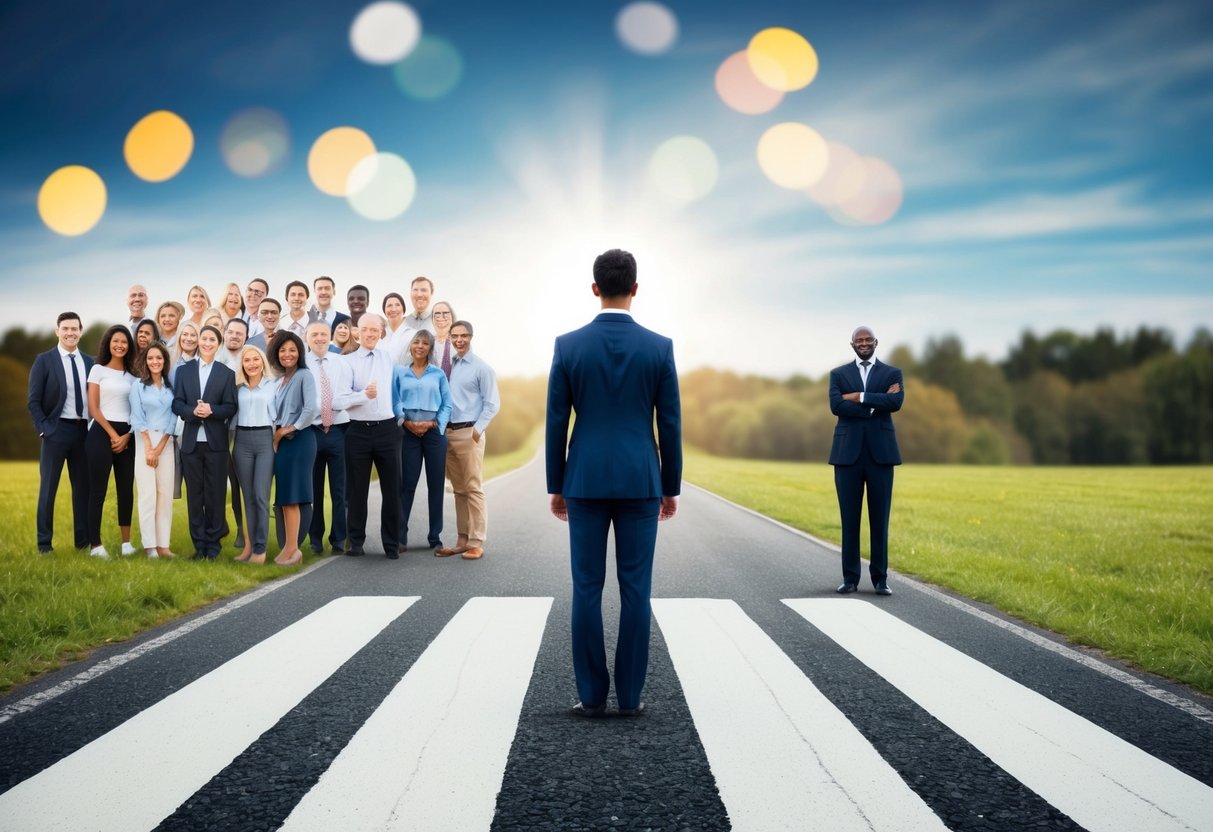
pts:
pixel 863 455
pixel 617 376
pixel 204 396
pixel 59 407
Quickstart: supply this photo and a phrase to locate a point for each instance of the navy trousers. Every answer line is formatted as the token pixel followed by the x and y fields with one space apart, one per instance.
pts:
pixel 635 524
pixel 330 457
pixel 66 444
pixel 416 452
pixel 205 472
pixel 850 481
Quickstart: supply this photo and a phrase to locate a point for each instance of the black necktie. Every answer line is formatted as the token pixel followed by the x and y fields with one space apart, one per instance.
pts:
pixel 76 385
pixel 865 365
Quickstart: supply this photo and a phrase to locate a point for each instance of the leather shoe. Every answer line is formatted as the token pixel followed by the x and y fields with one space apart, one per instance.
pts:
pixel 847 588
pixel 882 588
pixel 355 552
pixel 447 551
pixel 474 553
pixel 45 550
pixel 591 711
pixel 393 555
pixel 637 711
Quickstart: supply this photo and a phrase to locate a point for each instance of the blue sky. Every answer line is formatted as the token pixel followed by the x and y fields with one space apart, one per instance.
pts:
pixel 1055 161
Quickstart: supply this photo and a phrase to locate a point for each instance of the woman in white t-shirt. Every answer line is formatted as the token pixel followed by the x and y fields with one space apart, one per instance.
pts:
pixel 109 441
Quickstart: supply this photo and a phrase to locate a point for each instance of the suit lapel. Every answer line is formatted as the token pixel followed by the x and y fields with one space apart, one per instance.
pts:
pixel 855 377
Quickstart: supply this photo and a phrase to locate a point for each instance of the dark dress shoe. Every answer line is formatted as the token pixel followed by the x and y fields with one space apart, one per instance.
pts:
pixel 882 588
pixel 637 711
pixel 393 555
pixel 45 550
pixel 591 711
pixel 355 552
pixel 847 588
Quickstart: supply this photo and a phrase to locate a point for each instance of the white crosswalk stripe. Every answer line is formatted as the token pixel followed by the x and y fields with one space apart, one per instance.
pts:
pixel 182 741
pixel 432 756
pixel 1098 779
pixel 784 757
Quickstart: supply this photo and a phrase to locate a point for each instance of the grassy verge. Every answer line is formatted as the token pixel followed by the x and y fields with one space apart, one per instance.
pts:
pixel 56 608
pixel 1115 558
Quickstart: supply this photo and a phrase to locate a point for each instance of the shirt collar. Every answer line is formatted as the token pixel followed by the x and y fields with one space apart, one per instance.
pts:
pixel 858 361
pixel 64 352
pixel 623 312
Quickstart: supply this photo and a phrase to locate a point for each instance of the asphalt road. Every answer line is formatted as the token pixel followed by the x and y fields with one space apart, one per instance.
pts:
pixel 434 694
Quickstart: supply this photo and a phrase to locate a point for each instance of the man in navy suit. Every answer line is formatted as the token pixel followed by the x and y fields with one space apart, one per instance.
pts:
pixel 864 394
pixel 204 396
pixel 58 404
pixel 615 375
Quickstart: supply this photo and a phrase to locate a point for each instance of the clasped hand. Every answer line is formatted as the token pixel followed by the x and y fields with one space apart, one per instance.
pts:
pixel 419 428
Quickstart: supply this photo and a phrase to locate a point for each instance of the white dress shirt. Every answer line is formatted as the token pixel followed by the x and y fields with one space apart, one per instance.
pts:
pixel 336 368
pixel 69 404
pixel 366 366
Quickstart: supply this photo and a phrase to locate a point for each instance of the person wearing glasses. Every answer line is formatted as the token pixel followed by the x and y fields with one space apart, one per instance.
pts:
pixel 254 293
pixel 444 351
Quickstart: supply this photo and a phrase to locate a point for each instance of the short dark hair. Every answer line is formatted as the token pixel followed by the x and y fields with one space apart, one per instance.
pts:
pixel 214 329
pixel 239 321
pixel 466 325
pixel 615 273
pixel 420 278
pixel 275 346
pixel 332 282
pixel 263 282
pixel 358 287
pixel 105 355
pixel 141 365
pixel 67 316
pixel 269 299
pixel 395 295
pixel 307 293
pixel 152 324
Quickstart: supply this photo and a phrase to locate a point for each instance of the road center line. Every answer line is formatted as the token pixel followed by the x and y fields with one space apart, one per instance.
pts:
pixel 1095 777
pixel 783 755
pixel 136 775
pixel 433 755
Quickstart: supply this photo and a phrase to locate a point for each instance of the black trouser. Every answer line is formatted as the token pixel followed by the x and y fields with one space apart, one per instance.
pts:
pixel 330 456
pixel 378 444
pixel 66 444
pixel 100 460
pixel 205 472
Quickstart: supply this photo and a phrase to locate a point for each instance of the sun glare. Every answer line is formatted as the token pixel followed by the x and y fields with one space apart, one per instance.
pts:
pixel 158 146
pixel 72 200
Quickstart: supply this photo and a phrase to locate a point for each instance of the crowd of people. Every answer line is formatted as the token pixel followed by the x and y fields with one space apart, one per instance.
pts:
pixel 254 396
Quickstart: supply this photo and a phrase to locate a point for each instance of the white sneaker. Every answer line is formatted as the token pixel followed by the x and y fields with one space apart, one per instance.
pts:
pixel 153 555
pixel 128 549
pixel 99 552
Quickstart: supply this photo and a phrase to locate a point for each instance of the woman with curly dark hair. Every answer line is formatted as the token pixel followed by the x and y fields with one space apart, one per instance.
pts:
pixel 295 408
pixel 108 443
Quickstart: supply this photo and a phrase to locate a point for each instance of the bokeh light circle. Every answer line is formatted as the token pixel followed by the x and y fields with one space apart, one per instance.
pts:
pixel 684 168
pixel 793 155
pixel 255 142
pixel 158 146
pixel 431 70
pixel 334 155
pixel 385 32
pixel 381 186
pixel 72 200
pixel 741 90
pixel 843 179
pixel 880 197
pixel 782 59
pixel 646 28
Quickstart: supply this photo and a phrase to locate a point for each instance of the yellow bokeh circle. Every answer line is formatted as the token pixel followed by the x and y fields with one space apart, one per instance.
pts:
pixel 158 146
pixel 72 200
pixel 782 59
pixel 793 155
pixel 334 155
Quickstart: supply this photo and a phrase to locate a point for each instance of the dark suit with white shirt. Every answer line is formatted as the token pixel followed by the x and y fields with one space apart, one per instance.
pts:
pixel 62 439
pixel 205 463
pixel 863 454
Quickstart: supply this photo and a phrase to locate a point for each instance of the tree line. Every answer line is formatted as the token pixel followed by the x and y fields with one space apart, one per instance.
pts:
pixel 1057 399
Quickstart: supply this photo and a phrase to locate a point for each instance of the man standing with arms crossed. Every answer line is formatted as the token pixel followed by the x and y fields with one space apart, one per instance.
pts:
pixel 863 454
pixel 59 409
pixel 617 376
pixel 474 402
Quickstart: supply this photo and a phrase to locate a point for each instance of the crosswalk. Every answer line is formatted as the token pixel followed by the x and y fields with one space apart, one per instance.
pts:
pixel 782 754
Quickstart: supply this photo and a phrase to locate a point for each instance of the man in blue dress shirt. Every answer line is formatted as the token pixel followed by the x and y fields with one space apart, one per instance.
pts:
pixel 617 376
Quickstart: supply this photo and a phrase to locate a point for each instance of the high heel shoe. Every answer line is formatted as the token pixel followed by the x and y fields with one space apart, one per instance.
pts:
pixel 294 560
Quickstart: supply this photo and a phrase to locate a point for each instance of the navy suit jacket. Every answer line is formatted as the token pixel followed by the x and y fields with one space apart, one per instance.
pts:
pixel 48 385
pixel 615 375
pixel 869 422
pixel 220 394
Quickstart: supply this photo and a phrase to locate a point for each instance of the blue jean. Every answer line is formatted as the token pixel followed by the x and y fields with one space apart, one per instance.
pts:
pixel 430 450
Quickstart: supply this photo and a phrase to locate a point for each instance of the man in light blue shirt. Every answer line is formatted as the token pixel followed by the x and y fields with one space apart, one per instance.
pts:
pixel 475 401
pixel 332 375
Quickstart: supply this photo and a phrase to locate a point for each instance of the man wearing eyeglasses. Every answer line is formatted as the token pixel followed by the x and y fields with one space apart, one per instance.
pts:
pixel 864 394
pixel 254 293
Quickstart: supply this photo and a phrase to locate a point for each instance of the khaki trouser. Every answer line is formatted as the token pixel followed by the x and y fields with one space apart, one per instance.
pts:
pixel 464 463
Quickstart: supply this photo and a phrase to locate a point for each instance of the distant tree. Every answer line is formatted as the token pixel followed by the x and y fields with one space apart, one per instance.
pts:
pixel 1041 403
pixel 902 357
pixel 1150 343
pixel 17 437
pixel 1179 405
pixel 1107 421
pixel 23 347
pixel 985 445
pixel 930 426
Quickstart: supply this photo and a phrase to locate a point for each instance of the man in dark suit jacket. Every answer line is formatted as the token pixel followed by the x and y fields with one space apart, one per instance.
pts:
pixel 59 406
pixel 864 394
pixel 204 396
pixel 616 375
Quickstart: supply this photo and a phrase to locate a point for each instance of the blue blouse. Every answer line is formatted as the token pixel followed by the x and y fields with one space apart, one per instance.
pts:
pixel 255 405
pixel 430 392
pixel 152 409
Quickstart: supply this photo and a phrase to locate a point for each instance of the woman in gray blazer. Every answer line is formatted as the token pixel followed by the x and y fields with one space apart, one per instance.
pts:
pixel 295 408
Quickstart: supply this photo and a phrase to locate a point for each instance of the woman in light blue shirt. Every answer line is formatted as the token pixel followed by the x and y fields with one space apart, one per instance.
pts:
pixel 421 400
pixel 154 425
pixel 253 451
pixel 296 404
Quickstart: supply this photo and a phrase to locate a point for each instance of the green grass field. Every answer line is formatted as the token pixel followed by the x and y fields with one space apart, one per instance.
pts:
pixel 1115 558
pixel 55 608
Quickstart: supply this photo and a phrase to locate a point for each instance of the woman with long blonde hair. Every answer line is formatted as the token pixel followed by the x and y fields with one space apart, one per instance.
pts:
pixel 197 301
